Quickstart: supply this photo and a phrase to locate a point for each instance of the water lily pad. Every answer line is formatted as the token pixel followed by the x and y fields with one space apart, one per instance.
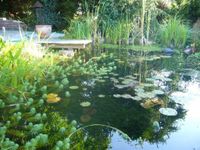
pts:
pixel 74 87
pixel 168 111
pixel 116 95
pixel 131 77
pixel 101 96
pixel 121 78
pixel 126 96
pixel 150 79
pixel 168 79
pixel 85 104
pixel 137 98
pixel 142 94
pixel 152 102
pixel 114 80
pixel 148 85
pixel 139 90
pixel 84 89
pixel 158 92
pixel 129 85
pixel 150 94
pixel 53 98
pixel 127 81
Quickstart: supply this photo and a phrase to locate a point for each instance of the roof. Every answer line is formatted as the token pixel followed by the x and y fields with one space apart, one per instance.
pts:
pixel 37 5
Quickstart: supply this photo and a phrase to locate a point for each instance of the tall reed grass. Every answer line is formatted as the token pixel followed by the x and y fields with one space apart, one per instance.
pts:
pixel 173 33
pixel 118 33
pixel 83 26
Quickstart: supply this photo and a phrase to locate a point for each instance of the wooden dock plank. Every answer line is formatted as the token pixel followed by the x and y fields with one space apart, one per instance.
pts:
pixel 59 43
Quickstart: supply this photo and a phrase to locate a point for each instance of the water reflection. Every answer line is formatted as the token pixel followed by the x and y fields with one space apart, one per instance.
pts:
pixel 147 128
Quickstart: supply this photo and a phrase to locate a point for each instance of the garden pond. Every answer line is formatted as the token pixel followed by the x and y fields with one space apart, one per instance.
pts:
pixel 150 101
pixel 115 99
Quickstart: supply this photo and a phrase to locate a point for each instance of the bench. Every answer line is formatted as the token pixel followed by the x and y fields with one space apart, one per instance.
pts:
pixel 66 44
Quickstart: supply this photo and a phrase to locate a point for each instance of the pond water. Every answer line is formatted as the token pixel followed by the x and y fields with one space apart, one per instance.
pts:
pixel 121 109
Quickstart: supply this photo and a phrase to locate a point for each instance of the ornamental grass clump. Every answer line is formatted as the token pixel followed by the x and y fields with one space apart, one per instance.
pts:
pixel 173 33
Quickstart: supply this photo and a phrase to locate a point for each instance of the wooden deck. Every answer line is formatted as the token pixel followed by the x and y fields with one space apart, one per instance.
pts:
pixel 66 44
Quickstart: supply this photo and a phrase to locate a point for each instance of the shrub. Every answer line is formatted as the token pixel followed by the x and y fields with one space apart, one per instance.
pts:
pixel 193 61
pixel 196 34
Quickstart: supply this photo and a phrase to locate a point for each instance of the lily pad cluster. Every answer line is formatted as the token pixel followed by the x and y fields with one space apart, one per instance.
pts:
pixel 28 84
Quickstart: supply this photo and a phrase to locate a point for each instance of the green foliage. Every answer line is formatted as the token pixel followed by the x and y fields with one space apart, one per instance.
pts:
pixel 188 9
pixel 16 69
pixel 196 35
pixel 118 33
pixel 57 13
pixel 193 61
pixel 83 26
pixel 25 84
pixel 173 33
pixel 80 29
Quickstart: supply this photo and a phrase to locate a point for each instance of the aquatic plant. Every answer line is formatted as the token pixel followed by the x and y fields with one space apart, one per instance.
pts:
pixel 173 33
pixel 168 111
pixel 85 104
pixel 196 35
pixel 24 113
pixel 74 87
pixel 53 98
pixel 193 61
pixel 101 96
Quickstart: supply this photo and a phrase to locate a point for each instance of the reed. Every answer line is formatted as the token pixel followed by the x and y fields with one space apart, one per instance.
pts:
pixel 173 33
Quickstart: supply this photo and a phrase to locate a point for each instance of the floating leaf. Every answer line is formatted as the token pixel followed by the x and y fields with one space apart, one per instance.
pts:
pixel 145 94
pixel 73 87
pixel 84 89
pixel 127 81
pixel 139 90
pixel 101 96
pixel 101 81
pixel 131 77
pixel 85 104
pixel 168 111
pixel 53 98
pixel 131 84
pixel 114 80
pixel 150 79
pixel 152 102
pixel 121 78
pixel 137 98
pixel 158 92
pixel 148 85
pixel 168 79
pixel 150 94
pixel 116 95
pixel 126 96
